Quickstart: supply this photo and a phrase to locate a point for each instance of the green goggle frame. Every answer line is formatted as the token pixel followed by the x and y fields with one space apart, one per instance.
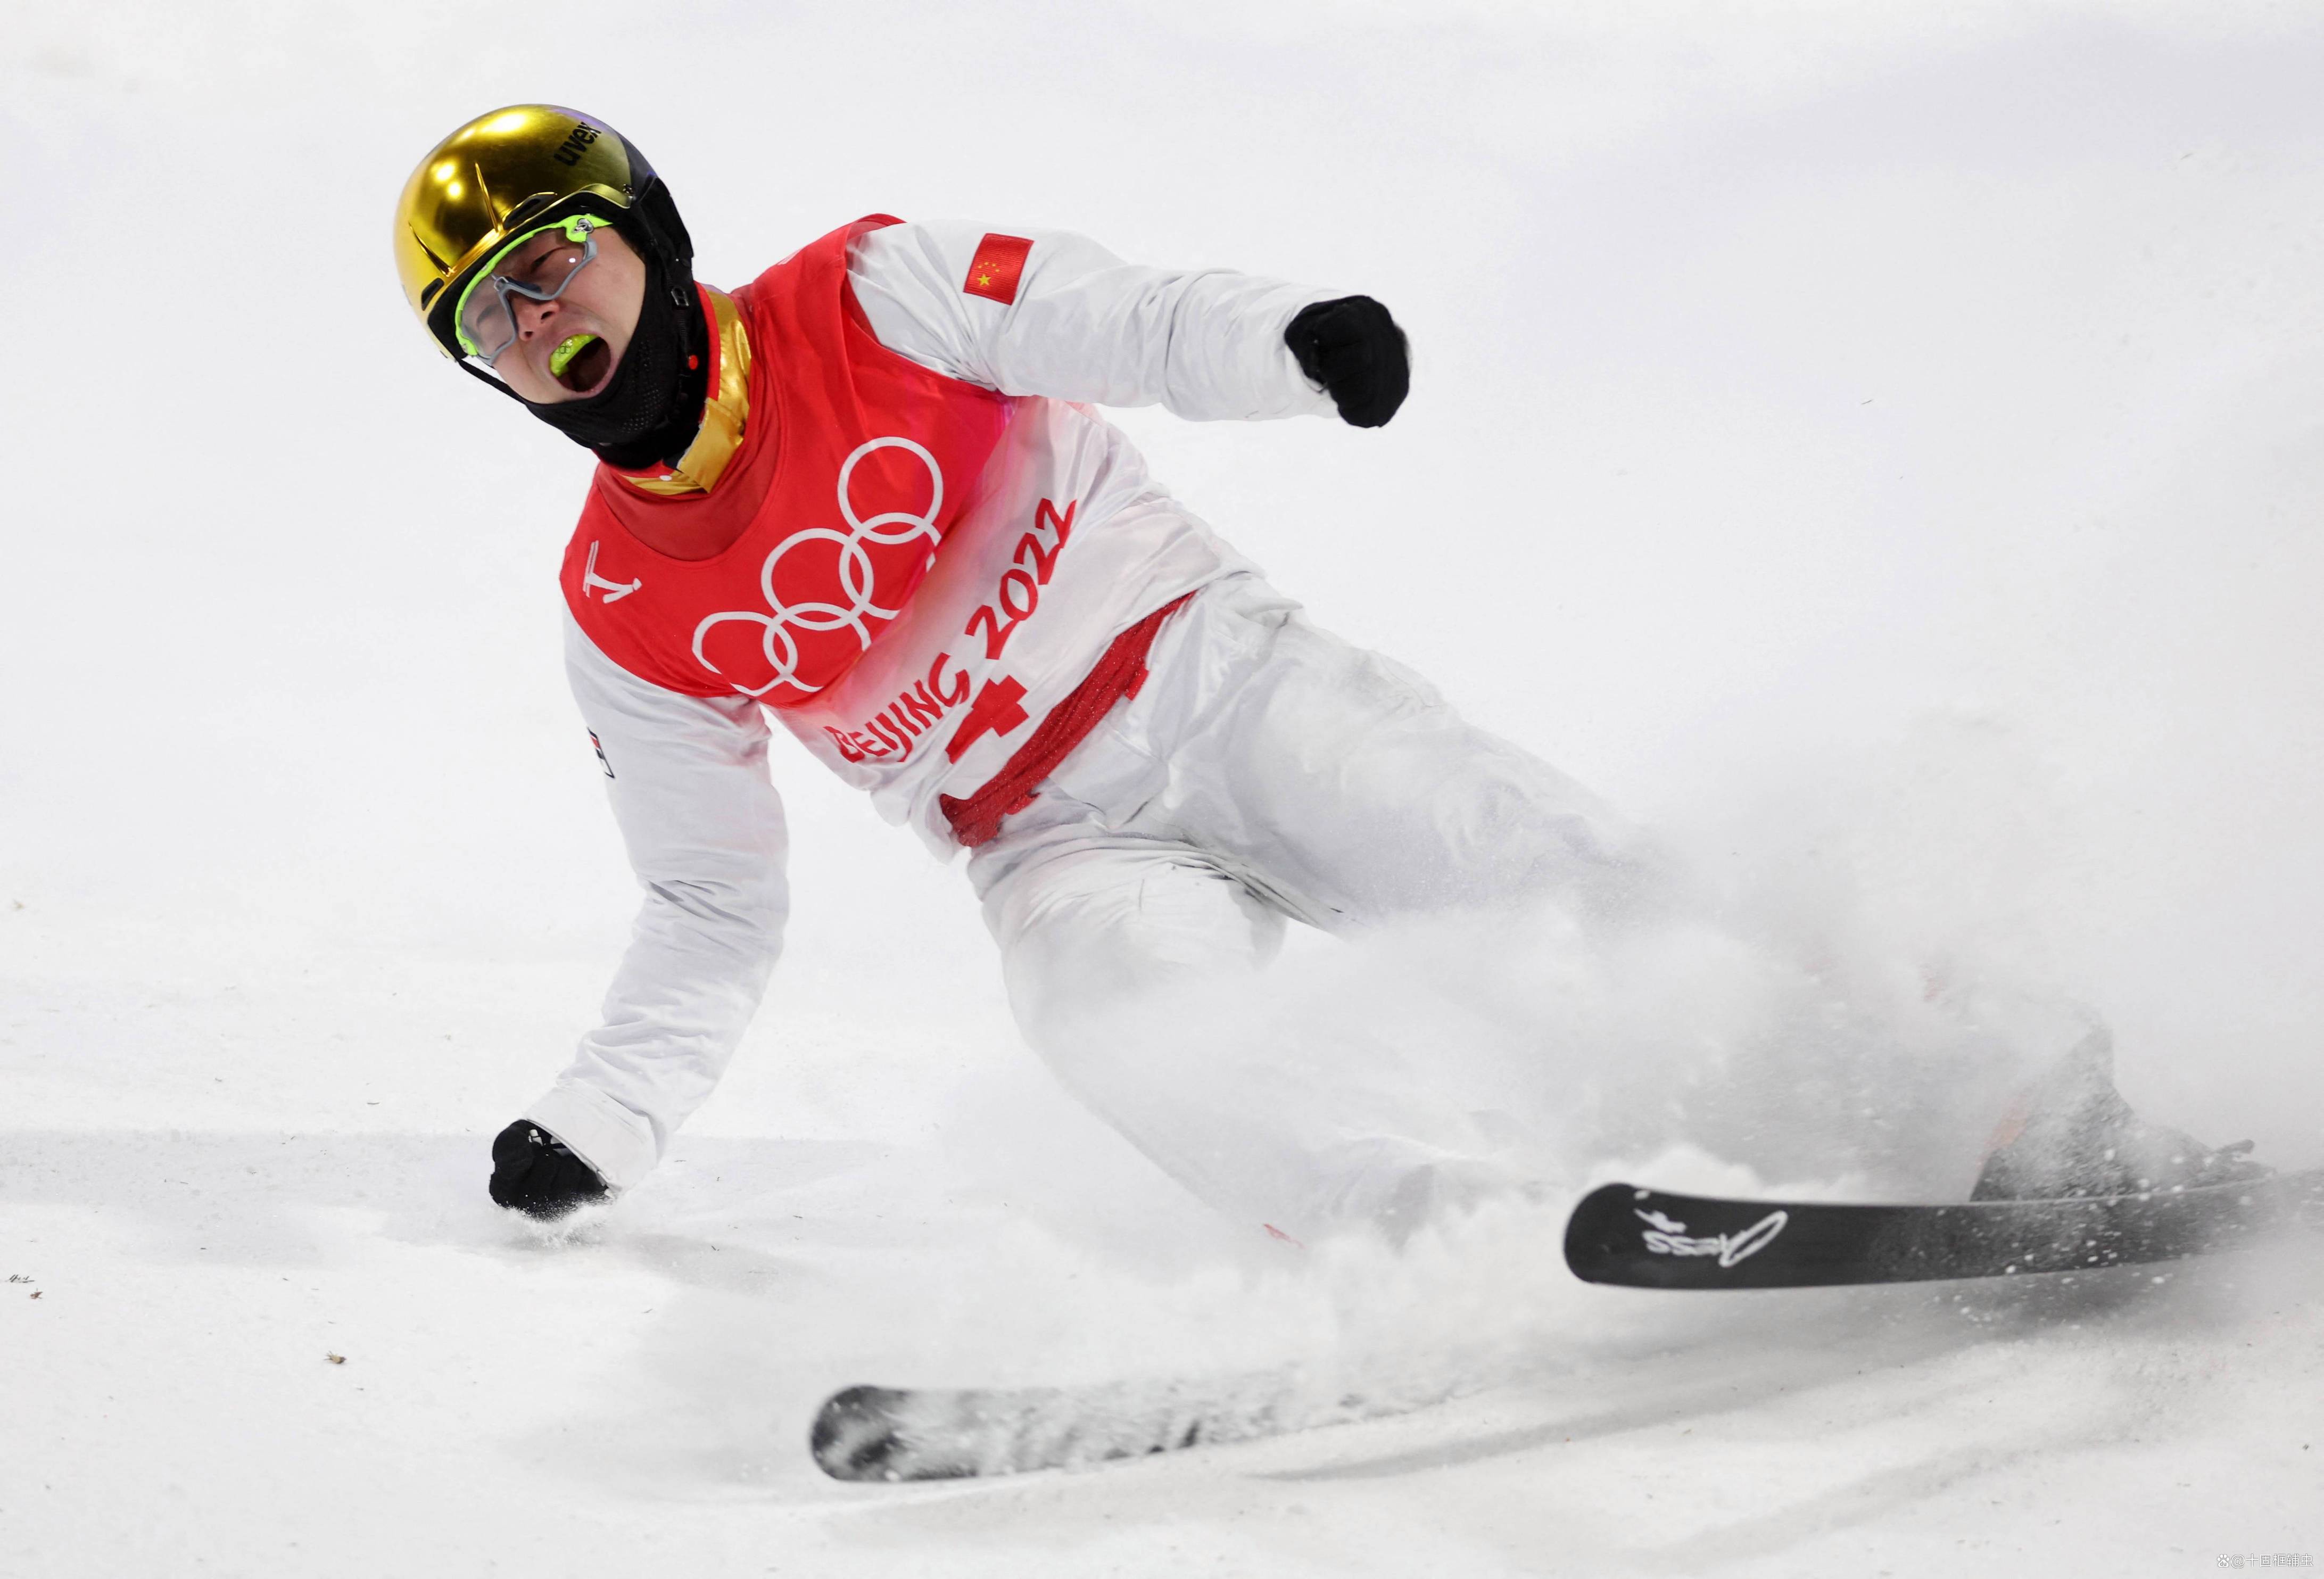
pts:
pixel 577 229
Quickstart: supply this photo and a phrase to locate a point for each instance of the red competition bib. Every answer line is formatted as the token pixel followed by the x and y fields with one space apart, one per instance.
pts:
pixel 871 462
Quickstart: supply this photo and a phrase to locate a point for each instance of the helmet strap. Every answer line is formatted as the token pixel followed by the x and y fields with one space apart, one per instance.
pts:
pixel 481 376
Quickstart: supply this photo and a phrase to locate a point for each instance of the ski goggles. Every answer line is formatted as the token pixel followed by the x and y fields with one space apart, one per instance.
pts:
pixel 485 318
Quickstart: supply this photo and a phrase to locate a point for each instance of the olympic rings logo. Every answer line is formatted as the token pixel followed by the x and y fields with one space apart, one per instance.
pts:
pixel 855 576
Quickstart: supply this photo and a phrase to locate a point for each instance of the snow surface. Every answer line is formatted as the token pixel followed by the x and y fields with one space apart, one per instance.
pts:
pixel 1878 445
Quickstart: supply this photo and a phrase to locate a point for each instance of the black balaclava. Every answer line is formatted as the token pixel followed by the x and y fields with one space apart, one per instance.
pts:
pixel 651 408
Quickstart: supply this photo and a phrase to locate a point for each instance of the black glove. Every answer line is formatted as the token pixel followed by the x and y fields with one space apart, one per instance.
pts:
pixel 534 1173
pixel 1355 351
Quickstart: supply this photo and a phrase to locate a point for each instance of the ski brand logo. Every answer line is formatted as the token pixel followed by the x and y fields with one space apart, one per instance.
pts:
pixel 1667 1237
pixel 852 575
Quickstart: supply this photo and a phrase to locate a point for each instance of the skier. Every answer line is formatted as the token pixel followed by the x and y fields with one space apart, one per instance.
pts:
pixel 864 495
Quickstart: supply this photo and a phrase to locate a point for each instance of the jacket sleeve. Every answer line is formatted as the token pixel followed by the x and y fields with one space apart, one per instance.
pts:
pixel 1082 325
pixel 687 780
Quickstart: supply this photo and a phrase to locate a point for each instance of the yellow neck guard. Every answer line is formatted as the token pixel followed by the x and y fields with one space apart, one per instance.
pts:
pixel 724 412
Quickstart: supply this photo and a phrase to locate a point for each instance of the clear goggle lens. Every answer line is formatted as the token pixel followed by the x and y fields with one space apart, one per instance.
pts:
pixel 524 268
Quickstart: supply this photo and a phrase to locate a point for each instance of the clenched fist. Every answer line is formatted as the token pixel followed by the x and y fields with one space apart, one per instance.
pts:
pixel 1352 348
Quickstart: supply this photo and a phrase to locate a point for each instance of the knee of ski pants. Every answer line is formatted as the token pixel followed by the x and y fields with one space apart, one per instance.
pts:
pixel 1095 940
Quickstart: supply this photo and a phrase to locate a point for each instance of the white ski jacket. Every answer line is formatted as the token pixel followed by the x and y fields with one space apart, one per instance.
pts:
pixel 688 775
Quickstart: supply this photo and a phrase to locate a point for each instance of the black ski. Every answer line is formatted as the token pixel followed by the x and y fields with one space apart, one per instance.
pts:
pixel 1646 1238
pixel 1619 1233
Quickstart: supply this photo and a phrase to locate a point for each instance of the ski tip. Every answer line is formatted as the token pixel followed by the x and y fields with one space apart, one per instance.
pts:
pixel 855 1435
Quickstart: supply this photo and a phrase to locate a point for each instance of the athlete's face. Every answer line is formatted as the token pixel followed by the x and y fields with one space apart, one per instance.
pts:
pixel 601 303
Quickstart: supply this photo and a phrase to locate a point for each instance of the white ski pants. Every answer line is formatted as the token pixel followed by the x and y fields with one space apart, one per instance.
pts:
pixel 1265 771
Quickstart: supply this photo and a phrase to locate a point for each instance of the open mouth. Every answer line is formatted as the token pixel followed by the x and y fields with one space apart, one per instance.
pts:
pixel 581 363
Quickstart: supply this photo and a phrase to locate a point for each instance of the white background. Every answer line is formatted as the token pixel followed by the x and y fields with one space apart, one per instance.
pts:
pixel 1879 443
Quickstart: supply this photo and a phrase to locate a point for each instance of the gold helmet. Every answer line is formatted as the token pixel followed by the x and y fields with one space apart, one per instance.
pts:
pixel 512 173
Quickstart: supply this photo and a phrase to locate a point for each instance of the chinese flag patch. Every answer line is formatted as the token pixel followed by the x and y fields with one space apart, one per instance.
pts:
pixel 1000 263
